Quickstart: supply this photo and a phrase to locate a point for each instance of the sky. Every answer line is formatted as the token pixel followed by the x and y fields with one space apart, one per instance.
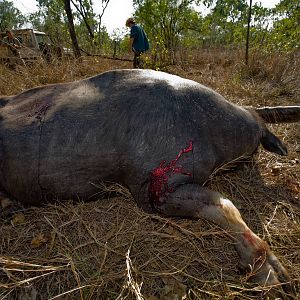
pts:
pixel 116 12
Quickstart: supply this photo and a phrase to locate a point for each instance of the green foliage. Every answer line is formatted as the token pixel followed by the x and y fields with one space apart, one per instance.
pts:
pixel 227 21
pixel 165 22
pixel 85 16
pixel 52 19
pixel 171 25
pixel 37 20
pixel 10 16
pixel 285 34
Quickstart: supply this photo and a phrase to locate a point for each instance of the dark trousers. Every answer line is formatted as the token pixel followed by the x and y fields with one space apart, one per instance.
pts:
pixel 137 60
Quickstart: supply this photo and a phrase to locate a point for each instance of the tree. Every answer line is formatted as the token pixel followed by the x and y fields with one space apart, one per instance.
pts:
pixel 58 23
pixel 52 19
pixel 85 10
pixel 37 20
pixel 248 33
pixel 10 16
pixel 73 36
pixel 285 34
pixel 104 6
pixel 260 24
pixel 164 21
pixel 227 21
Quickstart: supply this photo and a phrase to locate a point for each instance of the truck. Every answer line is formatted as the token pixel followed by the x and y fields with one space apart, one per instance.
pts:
pixel 36 46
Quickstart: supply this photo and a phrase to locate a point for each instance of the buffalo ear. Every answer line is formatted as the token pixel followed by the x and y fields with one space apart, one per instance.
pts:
pixel 273 144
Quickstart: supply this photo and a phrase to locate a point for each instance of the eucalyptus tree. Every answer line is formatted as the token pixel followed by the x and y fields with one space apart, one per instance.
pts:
pixel 104 4
pixel 85 12
pixel 227 21
pixel 10 16
pixel 53 20
pixel 37 20
pixel 165 21
pixel 68 10
pixel 285 34
pixel 261 23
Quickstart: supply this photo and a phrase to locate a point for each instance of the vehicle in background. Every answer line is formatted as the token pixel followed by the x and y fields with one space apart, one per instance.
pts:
pixel 36 46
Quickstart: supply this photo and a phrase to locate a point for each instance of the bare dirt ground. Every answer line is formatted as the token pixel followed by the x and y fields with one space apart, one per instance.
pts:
pixel 109 249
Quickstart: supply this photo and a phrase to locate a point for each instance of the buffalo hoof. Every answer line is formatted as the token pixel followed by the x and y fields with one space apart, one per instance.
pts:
pixel 269 273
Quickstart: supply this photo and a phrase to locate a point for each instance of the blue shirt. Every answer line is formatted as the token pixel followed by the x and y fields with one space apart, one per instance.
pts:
pixel 140 40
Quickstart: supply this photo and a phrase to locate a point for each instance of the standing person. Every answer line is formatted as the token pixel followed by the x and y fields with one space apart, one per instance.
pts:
pixel 138 42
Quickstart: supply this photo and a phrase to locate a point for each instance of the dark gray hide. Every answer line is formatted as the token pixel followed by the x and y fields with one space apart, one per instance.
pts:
pixel 59 140
pixel 118 126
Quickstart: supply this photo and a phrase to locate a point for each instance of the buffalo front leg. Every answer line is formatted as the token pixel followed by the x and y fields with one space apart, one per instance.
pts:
pixel 193 201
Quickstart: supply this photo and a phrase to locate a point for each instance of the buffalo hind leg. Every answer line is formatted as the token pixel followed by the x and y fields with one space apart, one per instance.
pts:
pixel 193 201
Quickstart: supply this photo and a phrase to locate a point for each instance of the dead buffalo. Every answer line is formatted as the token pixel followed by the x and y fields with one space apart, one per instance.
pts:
pixel 158 134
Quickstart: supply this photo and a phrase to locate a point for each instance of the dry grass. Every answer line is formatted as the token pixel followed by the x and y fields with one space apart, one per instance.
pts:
pixel 109 249
pixel 16 81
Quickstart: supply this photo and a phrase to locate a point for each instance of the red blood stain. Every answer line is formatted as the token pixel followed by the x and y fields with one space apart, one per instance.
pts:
pixel 160 175
pixel 249 237
pixel 256 243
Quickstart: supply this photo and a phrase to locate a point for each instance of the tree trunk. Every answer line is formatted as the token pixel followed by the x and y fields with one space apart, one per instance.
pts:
pixel 81 10
pixel 248 33
pixel 72 28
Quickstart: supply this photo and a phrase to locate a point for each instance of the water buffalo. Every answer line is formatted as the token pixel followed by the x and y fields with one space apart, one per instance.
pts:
pixel 160 135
